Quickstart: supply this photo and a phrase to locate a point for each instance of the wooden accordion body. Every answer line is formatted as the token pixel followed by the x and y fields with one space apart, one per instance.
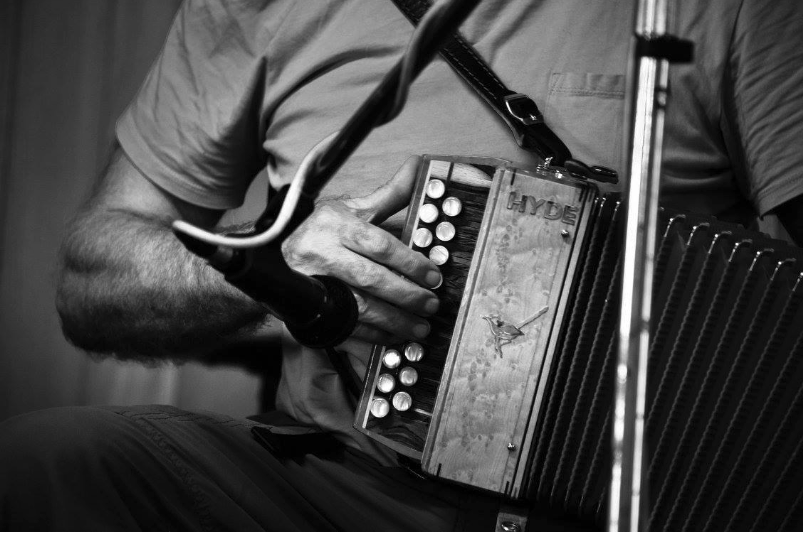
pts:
pixel 512 390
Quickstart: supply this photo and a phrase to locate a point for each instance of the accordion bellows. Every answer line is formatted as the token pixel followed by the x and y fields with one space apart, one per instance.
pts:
pixel 512 391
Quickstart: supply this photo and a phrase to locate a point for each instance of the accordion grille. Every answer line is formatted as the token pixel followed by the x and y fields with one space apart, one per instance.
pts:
pixel 725 381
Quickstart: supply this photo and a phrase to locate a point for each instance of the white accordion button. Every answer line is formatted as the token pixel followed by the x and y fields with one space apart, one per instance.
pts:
pixel 380 407
pixel 386 383
pixel 452 206
pixel 402 401
pixel 413 352
pixel 445 231
pixel 435 188
pixel 428 213
pixel 422 237
pixel 408 376
pixel 439 255
pixel 391 358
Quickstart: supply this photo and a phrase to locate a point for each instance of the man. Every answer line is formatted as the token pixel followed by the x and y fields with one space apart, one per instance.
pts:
pixel 245 86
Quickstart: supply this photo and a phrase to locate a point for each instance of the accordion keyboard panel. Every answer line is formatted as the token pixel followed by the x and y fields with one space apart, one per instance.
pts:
pixel 461 203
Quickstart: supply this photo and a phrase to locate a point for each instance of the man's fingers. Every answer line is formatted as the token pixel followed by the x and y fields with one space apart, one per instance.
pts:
pixel 381 247
pixel 391 197
pixel 368 258
pixel 374 279
pixel 381 315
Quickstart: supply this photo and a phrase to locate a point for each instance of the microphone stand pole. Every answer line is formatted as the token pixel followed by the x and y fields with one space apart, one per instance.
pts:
pixel 653 50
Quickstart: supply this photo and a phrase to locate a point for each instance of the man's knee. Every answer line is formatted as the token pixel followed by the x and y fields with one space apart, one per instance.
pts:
pixel 57 465
pixel 57 438
pixel 63 452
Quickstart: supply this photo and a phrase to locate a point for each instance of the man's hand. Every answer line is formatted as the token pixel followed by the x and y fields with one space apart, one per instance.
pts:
pixel 342 238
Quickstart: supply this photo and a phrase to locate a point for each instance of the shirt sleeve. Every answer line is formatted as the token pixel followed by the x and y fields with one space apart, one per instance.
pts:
pixel 764 89
pixel 194 128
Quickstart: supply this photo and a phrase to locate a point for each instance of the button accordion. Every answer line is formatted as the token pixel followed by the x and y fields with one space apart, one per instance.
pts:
pixel 512 390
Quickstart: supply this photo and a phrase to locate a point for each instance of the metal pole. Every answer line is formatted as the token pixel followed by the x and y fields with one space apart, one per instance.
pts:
pixel 628 506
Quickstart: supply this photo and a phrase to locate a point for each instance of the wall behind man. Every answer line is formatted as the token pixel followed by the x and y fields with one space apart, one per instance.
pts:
pixel 67 70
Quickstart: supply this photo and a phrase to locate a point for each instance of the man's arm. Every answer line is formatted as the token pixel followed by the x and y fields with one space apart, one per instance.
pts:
pixel 128 287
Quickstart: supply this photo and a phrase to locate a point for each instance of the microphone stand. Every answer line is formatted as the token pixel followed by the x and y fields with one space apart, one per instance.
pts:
pixel 652 52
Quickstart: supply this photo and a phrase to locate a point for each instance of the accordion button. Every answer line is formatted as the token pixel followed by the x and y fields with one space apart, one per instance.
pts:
pixel 439 255
pixel 391 358
pixel 452 206
pixel 445 231
pixel 408 376
pixel 380 407
pixel 422 238
pixel 435 188
pixel 386 383
pixel 402 401
pixel 413 352
pixel 428 213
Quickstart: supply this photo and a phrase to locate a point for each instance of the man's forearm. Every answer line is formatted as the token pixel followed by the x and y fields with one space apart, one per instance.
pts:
pixel 128 287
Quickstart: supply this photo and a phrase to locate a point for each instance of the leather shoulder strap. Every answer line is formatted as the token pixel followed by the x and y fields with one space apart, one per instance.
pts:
pixel 519 111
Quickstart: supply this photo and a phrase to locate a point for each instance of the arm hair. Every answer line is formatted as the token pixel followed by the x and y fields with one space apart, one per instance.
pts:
pixel 127 286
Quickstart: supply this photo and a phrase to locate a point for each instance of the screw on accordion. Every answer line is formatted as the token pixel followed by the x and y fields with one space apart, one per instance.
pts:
pixel 512 391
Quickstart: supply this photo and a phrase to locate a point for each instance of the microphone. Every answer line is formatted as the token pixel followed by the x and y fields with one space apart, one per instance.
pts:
pixel 319 311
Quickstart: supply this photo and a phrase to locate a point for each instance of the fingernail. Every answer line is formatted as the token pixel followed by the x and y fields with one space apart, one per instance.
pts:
pixel 434 279
pixel 431 306
pixel 421 330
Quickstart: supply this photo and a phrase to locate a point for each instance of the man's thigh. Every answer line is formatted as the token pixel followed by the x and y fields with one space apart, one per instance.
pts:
pixel 158 467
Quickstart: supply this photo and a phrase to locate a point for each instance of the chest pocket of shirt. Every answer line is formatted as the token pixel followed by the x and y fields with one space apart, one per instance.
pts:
pixel 585 110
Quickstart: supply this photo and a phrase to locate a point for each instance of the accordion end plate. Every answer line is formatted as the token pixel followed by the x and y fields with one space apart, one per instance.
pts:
pixel 505 332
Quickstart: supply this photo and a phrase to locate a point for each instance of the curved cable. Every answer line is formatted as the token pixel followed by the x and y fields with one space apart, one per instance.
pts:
pixel 282 219
pixel 408 62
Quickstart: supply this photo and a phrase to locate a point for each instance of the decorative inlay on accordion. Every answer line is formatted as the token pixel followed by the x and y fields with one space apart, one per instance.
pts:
pixel 512 390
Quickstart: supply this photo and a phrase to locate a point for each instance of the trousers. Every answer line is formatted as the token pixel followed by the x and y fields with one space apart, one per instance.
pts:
pixel 160 468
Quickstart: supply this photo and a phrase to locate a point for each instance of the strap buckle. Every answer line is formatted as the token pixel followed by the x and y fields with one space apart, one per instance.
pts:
pixel 595 172
pixel 523 108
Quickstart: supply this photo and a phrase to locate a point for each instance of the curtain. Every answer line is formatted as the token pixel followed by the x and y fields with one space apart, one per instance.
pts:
pixel 67 70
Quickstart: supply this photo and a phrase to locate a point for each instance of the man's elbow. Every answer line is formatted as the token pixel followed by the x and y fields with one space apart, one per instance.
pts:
pixel 86 321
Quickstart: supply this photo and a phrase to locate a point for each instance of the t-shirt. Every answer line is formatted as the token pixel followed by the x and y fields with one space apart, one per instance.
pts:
pixel 246 86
